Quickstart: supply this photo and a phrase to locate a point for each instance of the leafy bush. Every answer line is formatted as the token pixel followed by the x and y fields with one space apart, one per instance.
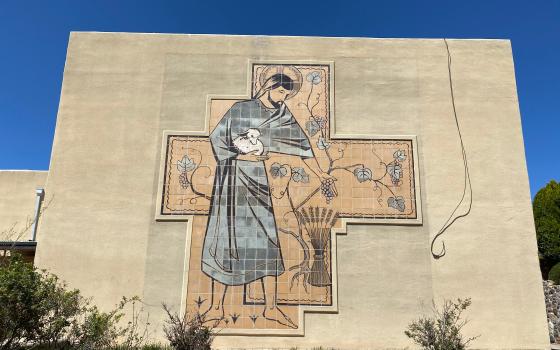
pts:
pixel 554 273
pixel 442 331
pixel 34 305
pixel 37 310
pixel 19 307
pixel 187 332
pixel 97 330
pixel 546 210
pixel 148 347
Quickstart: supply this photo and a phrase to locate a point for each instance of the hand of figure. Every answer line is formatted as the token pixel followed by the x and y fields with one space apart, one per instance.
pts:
pixel 252 157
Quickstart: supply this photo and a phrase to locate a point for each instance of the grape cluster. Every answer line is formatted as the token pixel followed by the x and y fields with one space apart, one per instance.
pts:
pixel 328 189
pixel 184 180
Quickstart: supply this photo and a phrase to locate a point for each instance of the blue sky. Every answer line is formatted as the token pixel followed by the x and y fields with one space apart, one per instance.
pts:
pixel 34 35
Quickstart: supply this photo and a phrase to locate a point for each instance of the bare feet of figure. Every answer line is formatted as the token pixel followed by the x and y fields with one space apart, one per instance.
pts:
pixel 275 314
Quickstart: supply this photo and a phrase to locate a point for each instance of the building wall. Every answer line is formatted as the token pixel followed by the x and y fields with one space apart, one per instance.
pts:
pixel 17 201
pixel 117 99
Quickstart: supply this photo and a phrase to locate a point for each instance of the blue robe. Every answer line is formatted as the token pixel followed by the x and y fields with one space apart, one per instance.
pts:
pixel 241 243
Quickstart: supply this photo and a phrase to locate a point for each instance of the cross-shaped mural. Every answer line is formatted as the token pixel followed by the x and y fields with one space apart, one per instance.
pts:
pixel 265 190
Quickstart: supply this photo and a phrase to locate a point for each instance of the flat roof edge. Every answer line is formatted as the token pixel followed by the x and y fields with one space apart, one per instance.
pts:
pixel 18 245
pixel 289 36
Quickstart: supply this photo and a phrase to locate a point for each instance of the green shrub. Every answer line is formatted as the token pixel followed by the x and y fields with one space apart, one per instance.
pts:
pixel 554 273
pixel 97 330
pixel 38 311
pixel 442 331
pixel 154 347
pixel 546 210
pixel 35 306
pixel 19 311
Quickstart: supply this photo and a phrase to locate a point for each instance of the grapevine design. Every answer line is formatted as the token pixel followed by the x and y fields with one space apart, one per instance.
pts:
pixel 187 167
pixel 184 180
pixel 318 126
pixel 328 190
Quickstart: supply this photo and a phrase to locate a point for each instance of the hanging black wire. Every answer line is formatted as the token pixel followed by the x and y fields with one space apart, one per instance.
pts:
pixel 467 187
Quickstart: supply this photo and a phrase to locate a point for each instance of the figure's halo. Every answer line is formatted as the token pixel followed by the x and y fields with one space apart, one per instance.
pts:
pixel 290 71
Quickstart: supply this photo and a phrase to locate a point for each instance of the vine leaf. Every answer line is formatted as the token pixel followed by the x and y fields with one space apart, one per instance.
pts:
pixel 278 170
pixel 186 164
pixel 399 155
pixel 299 175
pixel 395 171
pixel 363 174
pixel 396 203
pixel 322 143
pixel 312 127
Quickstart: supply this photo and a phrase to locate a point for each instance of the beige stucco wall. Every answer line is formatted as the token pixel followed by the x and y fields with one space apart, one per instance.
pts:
pixel 17 201
pixel 121 91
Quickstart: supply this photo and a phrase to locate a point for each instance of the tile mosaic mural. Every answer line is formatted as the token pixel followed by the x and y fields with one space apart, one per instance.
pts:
pixel 267 189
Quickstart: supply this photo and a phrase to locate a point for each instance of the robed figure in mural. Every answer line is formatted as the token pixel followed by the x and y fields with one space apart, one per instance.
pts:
pixel 241 243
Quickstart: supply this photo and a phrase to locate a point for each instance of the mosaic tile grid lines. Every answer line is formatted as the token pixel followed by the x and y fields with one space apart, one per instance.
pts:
pixel 266 190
